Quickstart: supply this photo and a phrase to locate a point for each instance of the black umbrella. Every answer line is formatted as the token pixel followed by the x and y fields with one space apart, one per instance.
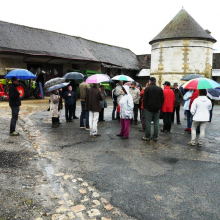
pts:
pixel 73 76
pixel 191 76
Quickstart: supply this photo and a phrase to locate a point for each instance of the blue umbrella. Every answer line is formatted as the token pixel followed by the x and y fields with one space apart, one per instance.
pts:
pixel 20 74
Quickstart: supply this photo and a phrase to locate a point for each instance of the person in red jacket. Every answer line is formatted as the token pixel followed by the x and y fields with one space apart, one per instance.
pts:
pixel 167 108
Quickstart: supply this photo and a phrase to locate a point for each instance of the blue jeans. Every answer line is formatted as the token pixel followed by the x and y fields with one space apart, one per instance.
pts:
pixel 189 118
pixel 148 117
pixel 84 114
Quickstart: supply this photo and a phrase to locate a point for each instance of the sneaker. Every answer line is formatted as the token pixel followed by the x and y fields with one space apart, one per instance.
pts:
pixel 186 129
pixel 75 117
pixel 82 127
pixel 145 139
pixel 163 130
pixel 178 123
pixel 124 137
pixel 87 128
pixel 200 144
pixel 97 135
pixel 191 143
pixel 119 135
pixel 142 130
pixel 14 133
pixel 70 120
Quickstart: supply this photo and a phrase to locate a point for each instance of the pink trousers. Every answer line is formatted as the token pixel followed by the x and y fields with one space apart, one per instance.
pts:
pixel 125 127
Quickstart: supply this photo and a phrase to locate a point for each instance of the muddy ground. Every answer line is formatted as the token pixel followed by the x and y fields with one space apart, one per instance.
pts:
pixel 64 173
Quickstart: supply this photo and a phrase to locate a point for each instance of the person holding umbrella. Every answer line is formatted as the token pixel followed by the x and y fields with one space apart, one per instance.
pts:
pixel 70 99
pixel 54 108
pixel 200 111
pixel 14 103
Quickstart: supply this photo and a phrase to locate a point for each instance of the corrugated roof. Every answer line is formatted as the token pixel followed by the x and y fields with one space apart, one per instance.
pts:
pixel 22 39
pixel 182 26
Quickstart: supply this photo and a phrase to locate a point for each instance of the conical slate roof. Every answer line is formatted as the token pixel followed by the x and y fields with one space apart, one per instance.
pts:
pixel 182 26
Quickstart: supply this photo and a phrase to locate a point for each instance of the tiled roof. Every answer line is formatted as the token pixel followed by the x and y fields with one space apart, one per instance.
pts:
pixel 182 26
pixel 27 40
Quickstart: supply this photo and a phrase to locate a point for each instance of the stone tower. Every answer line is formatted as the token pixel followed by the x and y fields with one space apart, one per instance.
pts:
pixel 181 48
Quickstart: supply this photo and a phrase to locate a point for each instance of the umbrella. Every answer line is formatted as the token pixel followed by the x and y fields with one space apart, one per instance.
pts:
pixel 122 78
pixel 74 76
pixel 20 74
pixel 213 94
pixel 58 86
pixel 98 78
pixel 129 84
pixel 53 82
pixel 201 83
pixel 191 76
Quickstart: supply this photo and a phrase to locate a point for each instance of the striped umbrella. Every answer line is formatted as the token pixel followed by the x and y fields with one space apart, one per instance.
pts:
pixel 201 83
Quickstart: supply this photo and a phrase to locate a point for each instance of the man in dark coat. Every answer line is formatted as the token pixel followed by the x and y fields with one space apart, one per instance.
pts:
pixel 14 103
pixel 178 100
pixel 152 101
pixel 93 98
pixel 70 99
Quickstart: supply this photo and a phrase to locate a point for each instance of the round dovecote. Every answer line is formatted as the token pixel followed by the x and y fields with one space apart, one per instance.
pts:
pixel 182 47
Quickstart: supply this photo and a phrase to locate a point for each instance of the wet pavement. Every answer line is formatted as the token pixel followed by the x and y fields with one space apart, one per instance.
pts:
pixel 64 173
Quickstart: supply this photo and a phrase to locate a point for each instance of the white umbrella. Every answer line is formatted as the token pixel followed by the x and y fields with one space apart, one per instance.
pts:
pixel 122 78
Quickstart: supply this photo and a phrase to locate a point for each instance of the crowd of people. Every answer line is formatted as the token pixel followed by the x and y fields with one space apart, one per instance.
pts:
pixel 152 102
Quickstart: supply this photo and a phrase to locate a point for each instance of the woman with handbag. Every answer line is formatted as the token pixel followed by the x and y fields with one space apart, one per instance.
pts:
pixel 102 103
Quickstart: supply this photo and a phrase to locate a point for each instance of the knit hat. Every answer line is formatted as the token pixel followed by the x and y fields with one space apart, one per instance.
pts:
pixel 133 83
pixel 166 83
pixel 152 79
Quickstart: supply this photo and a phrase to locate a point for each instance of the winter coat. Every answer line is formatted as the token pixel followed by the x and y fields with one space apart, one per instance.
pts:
pixel 69 100
pixel 153 98
pixel 93 98
pixel 187 98
pixel 169 99
pixel 103 103
pixel 54 105
pixel 114 97
pixel 178 97
pixel 141 95
pixel 135 93
pixel 14 96
pixel 118 93
pixel 200 109
pixel 126 105
pixel 83 87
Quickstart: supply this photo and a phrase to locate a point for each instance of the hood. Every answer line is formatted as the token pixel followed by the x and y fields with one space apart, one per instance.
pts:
pixel 203 98
pixel 126 89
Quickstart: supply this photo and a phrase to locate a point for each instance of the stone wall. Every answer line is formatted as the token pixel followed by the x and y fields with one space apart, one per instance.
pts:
pixel 173 59
pixel 10 63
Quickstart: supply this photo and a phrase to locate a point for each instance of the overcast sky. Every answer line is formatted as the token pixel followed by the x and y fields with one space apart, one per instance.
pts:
pixel 126 23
